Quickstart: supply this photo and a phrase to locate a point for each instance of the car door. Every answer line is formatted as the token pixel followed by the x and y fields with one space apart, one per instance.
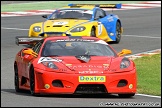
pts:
pixel 102 19
pixel 20 60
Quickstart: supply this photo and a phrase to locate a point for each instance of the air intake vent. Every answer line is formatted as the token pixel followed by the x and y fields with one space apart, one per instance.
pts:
pixel 57 83
pixel 122 83
pixel 91 88
pixel 57 26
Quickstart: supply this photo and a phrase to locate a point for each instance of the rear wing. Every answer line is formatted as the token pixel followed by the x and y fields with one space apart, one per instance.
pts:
pixel 118 6
pixel 27 40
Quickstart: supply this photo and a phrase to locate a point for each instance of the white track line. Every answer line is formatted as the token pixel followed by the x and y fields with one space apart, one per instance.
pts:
pixel 123 35
pixel 13 28
pixel 141 36
pixel 149 95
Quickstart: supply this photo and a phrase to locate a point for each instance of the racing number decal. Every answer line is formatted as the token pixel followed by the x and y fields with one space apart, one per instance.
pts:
pixel 99 28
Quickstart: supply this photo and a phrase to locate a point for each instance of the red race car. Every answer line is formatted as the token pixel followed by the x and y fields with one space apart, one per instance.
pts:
pixel 73 65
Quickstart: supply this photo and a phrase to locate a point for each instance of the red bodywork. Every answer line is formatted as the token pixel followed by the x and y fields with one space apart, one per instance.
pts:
pixel 100 75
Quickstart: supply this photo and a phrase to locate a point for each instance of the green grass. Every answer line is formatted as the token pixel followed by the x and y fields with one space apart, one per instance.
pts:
pixel 149 75
pixel 52 5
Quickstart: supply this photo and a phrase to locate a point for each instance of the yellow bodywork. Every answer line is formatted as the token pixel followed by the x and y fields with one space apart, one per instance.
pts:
pixel 48 26
pixel 66 25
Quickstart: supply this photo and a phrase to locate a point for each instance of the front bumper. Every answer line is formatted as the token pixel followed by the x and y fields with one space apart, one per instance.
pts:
pixel 67 83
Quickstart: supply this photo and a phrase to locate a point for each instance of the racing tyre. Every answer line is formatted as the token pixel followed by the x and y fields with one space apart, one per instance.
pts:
pixel 126 95
pixel 32 83
pixel 93 32
pixel 16 79
pixel 118 32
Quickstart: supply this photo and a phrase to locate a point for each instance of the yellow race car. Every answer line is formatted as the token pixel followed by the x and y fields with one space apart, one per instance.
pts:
pixel 80 20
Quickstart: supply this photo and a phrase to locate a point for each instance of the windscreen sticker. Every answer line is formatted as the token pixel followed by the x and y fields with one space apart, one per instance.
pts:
pixel 101 42
pixel 43 59
pixel 68 44
pixel 71 10
pixel 88 12
pixel 84 40
pixel 81 11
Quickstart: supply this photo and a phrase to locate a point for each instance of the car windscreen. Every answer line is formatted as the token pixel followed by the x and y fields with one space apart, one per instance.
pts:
pixel 68 48
pixel 72 14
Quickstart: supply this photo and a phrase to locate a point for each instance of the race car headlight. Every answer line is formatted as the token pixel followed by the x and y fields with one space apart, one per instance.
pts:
pixel 50 64
pixel 125 63
pixel 37 29
pixel 78 29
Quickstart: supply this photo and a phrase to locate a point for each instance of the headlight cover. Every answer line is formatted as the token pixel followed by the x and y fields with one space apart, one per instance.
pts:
pixel 78 29
pixel 125 63
pixel 50 64
pixel 37 29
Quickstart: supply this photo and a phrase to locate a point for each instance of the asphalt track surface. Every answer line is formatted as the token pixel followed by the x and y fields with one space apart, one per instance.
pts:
pixel 142 32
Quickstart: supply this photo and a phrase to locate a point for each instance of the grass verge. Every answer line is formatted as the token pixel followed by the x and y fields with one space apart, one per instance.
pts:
pixel 149 74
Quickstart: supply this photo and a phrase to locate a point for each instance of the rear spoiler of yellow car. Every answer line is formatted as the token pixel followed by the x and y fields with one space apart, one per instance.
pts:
pixel 26 40
pixel 118 6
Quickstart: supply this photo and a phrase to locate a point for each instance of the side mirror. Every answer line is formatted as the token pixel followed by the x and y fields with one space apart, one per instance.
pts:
pixel 124 52
pixel 44 16
pixel 30 52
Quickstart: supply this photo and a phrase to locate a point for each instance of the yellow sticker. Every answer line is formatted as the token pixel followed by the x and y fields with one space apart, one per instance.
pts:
pixel 92 79
pixel 106 64
pixel 47 86
pixel 68 44
pixel 68 64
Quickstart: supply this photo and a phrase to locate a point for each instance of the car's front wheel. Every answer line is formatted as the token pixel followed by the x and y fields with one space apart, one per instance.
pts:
pixel 93 32
pixel 16 79
pixel 126 95
pixel 32 82
pixel 118 32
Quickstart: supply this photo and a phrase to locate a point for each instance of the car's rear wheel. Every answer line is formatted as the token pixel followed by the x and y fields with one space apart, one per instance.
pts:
pixel 118 32
pixel 16 79
pixel 126 95
pixel 93 32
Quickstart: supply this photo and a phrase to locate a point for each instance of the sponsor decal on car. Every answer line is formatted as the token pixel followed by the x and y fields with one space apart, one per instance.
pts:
pixel 92 79
pixel 42 59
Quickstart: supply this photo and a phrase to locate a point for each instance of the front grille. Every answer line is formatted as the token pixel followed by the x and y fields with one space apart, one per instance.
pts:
pixel 54 34
pixel 48 34
pixel 91 88
pixel 57 26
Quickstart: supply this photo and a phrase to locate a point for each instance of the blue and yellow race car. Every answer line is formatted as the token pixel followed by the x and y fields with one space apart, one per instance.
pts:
pixel 81 20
